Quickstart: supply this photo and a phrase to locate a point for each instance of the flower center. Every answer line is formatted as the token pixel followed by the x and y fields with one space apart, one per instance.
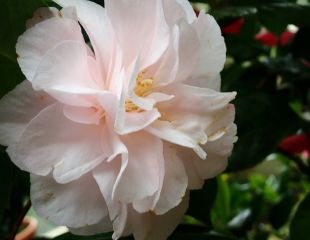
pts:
pixel 142 89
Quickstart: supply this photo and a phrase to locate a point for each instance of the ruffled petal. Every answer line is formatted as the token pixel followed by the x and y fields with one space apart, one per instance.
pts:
pixel 175 10
pixel 84 115
pixel 17 108
pixel 65 68
pixel 156 227
pixel 165 69
pixel 96 23
pixel 218 153
pixel 51 141
pixel 193 104
pixel 76 204
pixel 44 36
pixel 145 154
pixel 171 133
pixel 222 135
pixel 106 176
pixel 151 36
pixel 175 181
pixel 135 121
pixel 189 48
pixel 213 55
pixel 105 225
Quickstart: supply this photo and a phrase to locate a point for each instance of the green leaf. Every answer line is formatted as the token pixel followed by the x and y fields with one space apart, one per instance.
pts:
pixel 300 226
pixel 13 16
pixel 278 15
pixel 104 236
pixel 201 201
pixel 200 236
pixel 221 212
pixel 233 12
pixel 6 182
pixel 263 120
pixel 10 75
pixel 280 212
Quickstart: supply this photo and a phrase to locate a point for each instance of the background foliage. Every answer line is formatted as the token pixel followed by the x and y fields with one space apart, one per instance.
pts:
pixel 264 194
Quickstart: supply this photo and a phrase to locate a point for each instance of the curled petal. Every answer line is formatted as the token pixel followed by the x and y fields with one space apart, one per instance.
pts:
pixel 145 154
pixel 41 38
pixel 95 21
pixel 178 9
pixel 174 184
pixel 105 225
pixel 151 37
pixel 71 149
pixel 167 131
pixel 68 204
pixel 156 227
pixel 13 115
pixel 213 55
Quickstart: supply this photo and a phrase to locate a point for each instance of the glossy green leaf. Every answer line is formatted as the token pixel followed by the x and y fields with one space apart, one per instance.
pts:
pixel 300 226
pixel 201 201
pixel 286 13
pixel 13 16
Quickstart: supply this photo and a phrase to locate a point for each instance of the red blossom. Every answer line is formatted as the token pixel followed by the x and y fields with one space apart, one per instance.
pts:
pixel 286 37
pixel 267 38
pixel 296 144
pixel 233 27
pixel 271 40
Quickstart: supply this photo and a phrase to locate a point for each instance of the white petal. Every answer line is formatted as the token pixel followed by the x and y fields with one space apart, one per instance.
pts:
pixel 165 70
pixel 175 182
pixel 189 48
pixel 51 141
pixel 213 53
pixel 193 104
pixel 169 132
pixel 76 204
pixel 46 35
pixel 135 121
pixel 178 9
pixel 94 20
pixel 17 108
pixel 145 153
pixel 42 14
pixel 86 115
pixel 156 227
pixel 218 153
pixel 218 149
pixel 194 179
pixel 65 68
pixel 151 36
pixel 105 225
pixel 106 175
pixel 206 82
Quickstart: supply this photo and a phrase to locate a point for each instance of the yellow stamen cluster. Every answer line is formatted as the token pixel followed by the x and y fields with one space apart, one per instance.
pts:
pixel 142 89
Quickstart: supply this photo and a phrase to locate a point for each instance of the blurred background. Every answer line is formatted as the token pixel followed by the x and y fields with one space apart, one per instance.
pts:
pixel 264 193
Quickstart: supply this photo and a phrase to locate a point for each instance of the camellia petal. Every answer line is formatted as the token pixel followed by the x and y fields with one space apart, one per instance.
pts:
pixel 13 117
pixel 144 154
pixel 71 154
pixel 61 202
pixel 41 38
pixel 91 16
pixel 118 122
pixel 150 39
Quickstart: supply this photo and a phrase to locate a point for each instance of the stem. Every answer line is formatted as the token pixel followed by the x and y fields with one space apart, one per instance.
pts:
pixel 19 220
pixel 301 165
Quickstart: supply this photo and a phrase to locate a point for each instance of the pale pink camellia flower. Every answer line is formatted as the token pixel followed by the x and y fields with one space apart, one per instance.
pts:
pixel 116 132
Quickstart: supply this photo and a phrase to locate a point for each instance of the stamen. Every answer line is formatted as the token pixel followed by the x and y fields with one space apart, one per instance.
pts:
pixel 142 89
